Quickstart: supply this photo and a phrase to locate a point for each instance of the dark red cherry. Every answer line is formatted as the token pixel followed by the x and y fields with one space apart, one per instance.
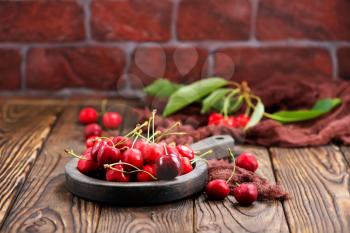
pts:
pixel 245 193
pixel 107 155
pixel 132 156
pixel 117 176
pixel 143 176
pixel 217 189
pixel 247 161
pixel 121 142
pixel 87 165
pixel 168 167
pixel 92 130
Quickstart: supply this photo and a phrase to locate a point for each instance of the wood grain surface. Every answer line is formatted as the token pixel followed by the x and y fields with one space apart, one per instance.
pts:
pixel 173 217
pixel 44 204
pixel 346 153
pixel 318 179
pixel 23 130
pixel 228 216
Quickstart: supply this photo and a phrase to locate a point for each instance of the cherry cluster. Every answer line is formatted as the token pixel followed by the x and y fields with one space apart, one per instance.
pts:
pixel 135 157
pixel 245 193
pixel 89 116
pixel 239 121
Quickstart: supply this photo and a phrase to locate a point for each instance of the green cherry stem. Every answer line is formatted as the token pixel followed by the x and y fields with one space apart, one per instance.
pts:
pixel 234 165
pixel 72 153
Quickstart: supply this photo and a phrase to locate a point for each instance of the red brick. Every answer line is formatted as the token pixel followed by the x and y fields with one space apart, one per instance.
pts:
pixel 139 20
pixel 254 64
pixel 41 21
pixel 182 65
pixel 344 63
pixel 214 20
pixel 57 68
pixel 10 77
pixel 321 20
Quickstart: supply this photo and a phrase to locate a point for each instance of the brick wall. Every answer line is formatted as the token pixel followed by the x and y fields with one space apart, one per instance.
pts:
pixel 117 46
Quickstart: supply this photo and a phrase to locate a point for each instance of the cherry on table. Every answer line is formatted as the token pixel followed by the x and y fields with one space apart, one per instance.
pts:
pixel 133 156
pixel 88 116
pixel 143 176
pixel 111 120
pixel 87 165
pixel 168 167
pixel 247 161
pixel 217 189
pixel 245 193
pixel 117 176
pixel 92 130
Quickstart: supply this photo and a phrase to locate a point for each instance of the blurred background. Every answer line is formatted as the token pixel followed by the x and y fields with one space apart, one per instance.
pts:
pixel 115 47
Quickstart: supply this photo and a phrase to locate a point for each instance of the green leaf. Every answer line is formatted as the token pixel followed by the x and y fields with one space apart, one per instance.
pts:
pixel 257 115
pixel 214 98
pixel 235 104
pixel 161 88
pixel 191 93
pixel 320 108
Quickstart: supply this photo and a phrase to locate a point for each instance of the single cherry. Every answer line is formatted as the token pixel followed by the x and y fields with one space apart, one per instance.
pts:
pixel 111 120
pixel 88 116
pixel 245 193
pixel 107 155
pixel 186 165
pixel 217 189
pixel 96 148
pixel 168 167
pixel 144 176
pixel 91 141
pixel 87 165
pixel 172 150
pixel 121 142
pixel 151 152
pixel 117 176
pixel 92 130
pixel 247 161
pixel 185 151
pixel 132 156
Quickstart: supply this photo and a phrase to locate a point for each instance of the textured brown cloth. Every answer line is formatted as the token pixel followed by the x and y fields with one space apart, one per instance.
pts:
pixel 278 93
pixel 221 169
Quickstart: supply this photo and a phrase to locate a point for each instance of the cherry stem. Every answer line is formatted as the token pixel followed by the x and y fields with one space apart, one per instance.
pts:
pixel 234 165
pixel 166 131
pixel 133 143
pixel 153 117
pixel 72 153
pixel 205 153
pixel 110 166
pixel 198 159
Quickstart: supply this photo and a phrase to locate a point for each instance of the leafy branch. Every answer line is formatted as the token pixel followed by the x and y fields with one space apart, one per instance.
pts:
pixel 229 97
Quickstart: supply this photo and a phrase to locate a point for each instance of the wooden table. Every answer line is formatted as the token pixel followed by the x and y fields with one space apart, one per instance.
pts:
pixel 33 197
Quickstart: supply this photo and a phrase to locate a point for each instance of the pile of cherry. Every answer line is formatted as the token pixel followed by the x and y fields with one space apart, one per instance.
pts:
pixel 138 158
pixel 239 121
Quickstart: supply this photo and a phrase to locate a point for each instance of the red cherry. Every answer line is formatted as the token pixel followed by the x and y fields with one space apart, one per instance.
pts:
pixel 247 161
pixel 172 150
pixel 117 176
pixel 185 151
pixel 87 165
pixel 133 156
pixel 242 120
pixel 186 165
pixel 91 141
pixel 92 130
pixel 111 120
pixel 215 118
pixel 139 144
pixel 107 155
pixel 143 176
pixel 168 167
pixel 96 148
pixel 152 152
pixel 245 193
pixel 217 189
pixel 88 115
pixel 121 142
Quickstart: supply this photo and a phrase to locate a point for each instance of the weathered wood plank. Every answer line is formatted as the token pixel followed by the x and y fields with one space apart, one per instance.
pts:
pixel 173 217
pixel 45 205
pixel 318 179
pixel 23 130
pixel 346 153
pixel 228 216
